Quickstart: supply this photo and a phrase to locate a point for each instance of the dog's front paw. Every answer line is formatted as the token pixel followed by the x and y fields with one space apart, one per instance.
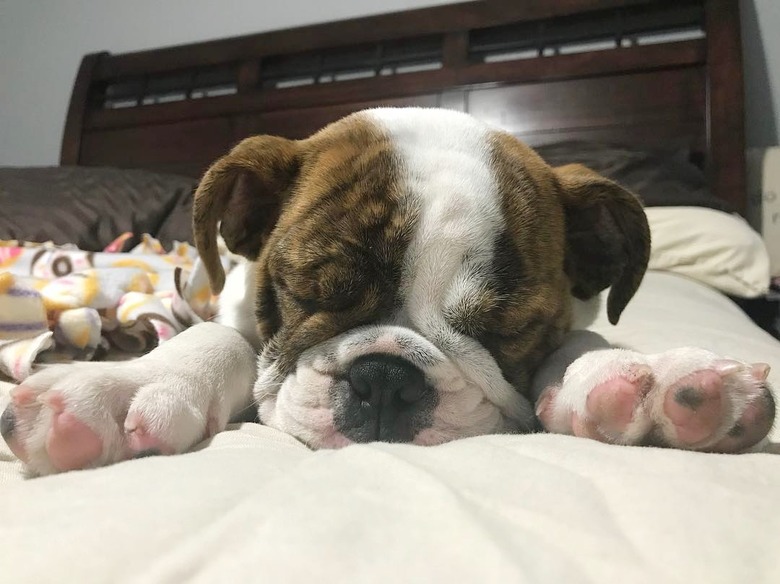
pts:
pixel 685 398
pixel 81 416
pixel 91 414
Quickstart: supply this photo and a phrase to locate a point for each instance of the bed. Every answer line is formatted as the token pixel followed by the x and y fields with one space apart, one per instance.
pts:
pixel 648 92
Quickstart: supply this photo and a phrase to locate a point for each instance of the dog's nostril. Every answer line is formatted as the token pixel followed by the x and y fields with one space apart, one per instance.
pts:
pixel 7 422
pixel 381 379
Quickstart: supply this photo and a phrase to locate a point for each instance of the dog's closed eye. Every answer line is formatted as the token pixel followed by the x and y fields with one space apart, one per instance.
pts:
pixel 323 290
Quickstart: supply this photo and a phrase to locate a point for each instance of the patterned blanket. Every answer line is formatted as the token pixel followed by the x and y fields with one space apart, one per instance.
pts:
pixel 59 303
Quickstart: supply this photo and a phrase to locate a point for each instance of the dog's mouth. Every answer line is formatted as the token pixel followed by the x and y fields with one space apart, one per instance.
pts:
pixel 390 384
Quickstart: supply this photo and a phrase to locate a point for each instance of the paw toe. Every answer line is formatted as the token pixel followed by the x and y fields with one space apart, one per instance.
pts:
pixel 584 427
pixel 695 408
pixel 614 405
pixel 23 396
pixel 70 443
pixel 141 441
pixel 8 421
pixel 544 408
pixel 16 418
pixel 753 425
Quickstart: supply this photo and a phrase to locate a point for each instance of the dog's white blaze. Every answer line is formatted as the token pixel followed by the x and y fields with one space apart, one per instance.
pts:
pixel 449 177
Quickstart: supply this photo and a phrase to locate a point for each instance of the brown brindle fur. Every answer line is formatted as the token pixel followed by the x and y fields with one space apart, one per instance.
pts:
pixel 530 309
pixel 250 182
pixel 607 237
pixel 334 259
pixel 569 230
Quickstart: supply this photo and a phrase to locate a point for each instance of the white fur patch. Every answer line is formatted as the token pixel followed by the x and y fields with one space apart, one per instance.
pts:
pixel 450 181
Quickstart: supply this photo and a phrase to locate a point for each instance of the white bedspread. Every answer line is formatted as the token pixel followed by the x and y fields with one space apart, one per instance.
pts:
pixel 255 505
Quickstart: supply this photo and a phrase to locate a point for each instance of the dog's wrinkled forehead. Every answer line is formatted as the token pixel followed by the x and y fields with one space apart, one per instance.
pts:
pixel 362 216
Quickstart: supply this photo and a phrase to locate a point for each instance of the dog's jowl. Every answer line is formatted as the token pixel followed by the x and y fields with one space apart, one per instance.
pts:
pixel 408 272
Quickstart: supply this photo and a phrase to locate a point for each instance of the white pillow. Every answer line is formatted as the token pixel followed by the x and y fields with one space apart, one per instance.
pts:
pixel 710 246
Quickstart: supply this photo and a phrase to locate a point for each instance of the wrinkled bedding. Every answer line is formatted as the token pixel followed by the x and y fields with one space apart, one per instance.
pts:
pixel 255 505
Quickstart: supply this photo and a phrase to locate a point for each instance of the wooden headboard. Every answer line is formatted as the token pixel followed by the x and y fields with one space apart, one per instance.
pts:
pixel 633 72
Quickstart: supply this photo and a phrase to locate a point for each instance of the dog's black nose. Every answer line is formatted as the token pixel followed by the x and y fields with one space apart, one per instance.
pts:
pixel 383 380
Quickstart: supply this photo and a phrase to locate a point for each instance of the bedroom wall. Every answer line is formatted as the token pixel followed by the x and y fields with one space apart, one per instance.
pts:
pixel 42 42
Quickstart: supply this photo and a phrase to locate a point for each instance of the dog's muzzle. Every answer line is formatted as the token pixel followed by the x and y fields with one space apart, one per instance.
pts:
pixel 381 382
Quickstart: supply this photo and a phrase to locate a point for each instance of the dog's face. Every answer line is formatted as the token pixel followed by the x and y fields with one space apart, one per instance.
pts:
pixel 411 269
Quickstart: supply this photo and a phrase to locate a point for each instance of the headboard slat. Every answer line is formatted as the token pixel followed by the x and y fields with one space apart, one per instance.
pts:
pixel 582 65
pixel 422 21
pixel 70 151
pixel 725 93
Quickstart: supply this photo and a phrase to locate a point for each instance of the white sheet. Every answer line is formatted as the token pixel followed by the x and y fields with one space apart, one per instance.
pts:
pixel 253 504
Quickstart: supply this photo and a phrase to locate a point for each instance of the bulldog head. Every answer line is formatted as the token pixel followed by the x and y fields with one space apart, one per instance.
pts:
pixel 410 270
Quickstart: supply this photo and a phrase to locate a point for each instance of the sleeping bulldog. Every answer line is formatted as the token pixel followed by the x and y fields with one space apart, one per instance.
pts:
pixel 410 277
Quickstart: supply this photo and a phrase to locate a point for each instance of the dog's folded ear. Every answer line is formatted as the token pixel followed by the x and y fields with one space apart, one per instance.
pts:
pixel 245 191
pixel 607 237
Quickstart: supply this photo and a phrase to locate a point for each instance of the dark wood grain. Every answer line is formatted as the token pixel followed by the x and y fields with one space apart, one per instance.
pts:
pixel 409 84
pixel 671 102
pixel 303 122
pixel 435 20
pixel 456 49
pixel 184 147
pixel 653 136
pixel 77 109
pixel 725 93
pixel 248 76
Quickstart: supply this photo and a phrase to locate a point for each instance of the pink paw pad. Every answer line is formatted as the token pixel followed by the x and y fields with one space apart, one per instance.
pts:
pixel 23 396
pixel 612 405
pixel 551 419
pixel 695 406
pixel 140 441
pixel 70 443
pixel 587 428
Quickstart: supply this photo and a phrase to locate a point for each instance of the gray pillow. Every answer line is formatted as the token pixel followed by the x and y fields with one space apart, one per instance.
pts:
pixel 660 178
pixel 91 206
